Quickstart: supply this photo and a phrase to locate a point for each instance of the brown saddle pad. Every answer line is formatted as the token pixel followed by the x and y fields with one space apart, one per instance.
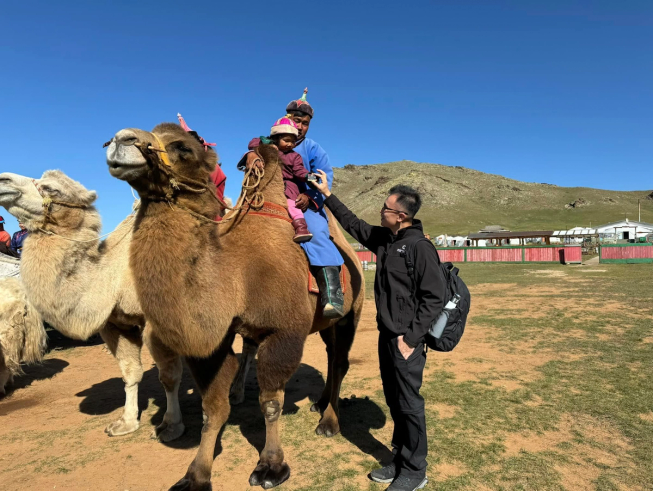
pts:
pixel 312 282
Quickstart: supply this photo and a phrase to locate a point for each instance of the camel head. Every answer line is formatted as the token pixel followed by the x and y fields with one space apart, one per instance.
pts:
pixel 148 161
pixel 20 197
pixel 24 198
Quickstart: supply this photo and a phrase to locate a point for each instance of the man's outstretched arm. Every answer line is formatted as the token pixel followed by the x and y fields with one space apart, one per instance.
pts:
pixel 368 235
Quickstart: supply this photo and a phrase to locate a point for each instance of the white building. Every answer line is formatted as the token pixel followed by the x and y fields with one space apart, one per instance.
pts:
pixel 573 236
pixel 451 241
pixel 625 230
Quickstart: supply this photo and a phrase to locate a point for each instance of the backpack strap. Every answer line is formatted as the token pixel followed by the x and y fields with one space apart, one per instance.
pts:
pixel 409 257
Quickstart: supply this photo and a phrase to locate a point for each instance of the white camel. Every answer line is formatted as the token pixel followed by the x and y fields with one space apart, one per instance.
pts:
pixel 83 286
pixel 22 337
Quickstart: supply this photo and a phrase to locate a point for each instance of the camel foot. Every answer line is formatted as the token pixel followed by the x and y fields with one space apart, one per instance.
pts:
pixel 328 429
pixel 121 427
pixel 269 476
pixel 318 407
pixel 166 432
pixel 189 484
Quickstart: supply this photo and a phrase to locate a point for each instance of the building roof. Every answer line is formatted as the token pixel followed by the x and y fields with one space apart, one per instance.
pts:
pixel 492 229
pixel 511 235
pixel 628 223
pixel 574 232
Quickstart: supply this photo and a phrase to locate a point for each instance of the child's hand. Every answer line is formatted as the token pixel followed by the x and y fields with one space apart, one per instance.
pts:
pixel 323 185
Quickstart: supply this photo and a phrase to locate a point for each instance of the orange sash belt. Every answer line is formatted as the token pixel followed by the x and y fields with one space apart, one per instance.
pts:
pixel 270 210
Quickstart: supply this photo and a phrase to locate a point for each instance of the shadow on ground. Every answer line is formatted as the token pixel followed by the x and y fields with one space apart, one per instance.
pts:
pixel 358 416
pixel 57 341
pixel 44 371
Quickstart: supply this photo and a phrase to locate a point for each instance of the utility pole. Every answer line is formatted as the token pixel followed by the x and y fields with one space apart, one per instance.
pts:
pixel 639 209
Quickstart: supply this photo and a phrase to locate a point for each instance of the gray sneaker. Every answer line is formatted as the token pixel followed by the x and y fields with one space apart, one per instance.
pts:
pixel 384 474
pixel 403 483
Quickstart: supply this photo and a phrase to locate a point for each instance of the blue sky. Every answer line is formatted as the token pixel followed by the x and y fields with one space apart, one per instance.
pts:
pixel 549 91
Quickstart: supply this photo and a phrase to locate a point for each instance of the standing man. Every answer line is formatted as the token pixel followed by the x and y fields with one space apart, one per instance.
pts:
pixel 323 255
pixel 404 315
pixel 18 239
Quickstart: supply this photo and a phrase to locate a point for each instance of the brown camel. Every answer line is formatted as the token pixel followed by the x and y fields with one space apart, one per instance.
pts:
pixel 200 284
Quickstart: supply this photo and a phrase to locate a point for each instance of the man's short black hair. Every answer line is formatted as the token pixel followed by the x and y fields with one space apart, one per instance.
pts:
pixel 301 114
pixel 408 198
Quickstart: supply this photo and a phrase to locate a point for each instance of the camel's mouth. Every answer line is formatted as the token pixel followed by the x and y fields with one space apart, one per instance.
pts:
pixel 8 193
pixel 125 161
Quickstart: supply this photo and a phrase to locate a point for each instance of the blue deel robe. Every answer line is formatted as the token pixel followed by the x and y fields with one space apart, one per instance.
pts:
pixel 321 251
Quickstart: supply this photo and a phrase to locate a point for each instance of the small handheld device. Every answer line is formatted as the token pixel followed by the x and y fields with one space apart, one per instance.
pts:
pixel 312 178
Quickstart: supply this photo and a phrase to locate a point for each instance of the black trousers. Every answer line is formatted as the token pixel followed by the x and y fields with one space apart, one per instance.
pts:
pixel 402 380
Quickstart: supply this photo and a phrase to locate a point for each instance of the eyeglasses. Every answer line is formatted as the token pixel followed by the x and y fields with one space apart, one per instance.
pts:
pixel 385 208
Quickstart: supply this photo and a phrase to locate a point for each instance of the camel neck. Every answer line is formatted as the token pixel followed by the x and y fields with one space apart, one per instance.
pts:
pixel 66 280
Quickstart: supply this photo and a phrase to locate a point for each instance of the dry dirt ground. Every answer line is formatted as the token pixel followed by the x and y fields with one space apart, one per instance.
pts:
pixel 503 426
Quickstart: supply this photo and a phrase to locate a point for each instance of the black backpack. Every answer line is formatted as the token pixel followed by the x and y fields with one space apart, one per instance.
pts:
pixel 455 327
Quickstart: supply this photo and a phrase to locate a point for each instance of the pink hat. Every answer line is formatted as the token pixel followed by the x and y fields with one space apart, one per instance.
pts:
pixel 284 126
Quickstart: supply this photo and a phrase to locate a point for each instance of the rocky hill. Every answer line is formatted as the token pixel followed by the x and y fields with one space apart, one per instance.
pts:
pixel 458 200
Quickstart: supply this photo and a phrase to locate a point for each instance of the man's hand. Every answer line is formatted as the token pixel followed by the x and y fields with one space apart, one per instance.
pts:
pixel 323 185
pixel 254 160
pixel 404 349
pixel 302 202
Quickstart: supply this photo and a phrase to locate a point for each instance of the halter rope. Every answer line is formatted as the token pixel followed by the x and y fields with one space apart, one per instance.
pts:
pixel 178 183
pixel 47 211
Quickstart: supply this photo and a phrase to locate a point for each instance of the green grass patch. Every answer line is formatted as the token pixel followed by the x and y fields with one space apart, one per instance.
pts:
pixel 587 399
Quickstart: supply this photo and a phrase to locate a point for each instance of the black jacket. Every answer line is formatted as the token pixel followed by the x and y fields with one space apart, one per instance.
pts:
pixel 397 310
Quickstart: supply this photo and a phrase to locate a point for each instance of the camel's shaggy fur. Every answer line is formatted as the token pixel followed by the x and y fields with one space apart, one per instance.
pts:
pixel 200 284
pixel 80 285
pixel 22 336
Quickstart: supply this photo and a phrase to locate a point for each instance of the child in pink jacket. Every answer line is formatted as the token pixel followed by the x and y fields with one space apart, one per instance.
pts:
pixel 284 135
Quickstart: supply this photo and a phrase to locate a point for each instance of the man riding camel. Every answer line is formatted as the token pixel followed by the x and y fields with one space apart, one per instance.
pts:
pixel 324 257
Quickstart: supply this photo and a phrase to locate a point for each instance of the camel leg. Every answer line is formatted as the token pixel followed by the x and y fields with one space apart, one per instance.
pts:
pixel 214 376
pixel 125 345
pixel 338 343
pixel 237 394
pixel 278 358
pixel 329 337
pixel 170 372
pixel 5 376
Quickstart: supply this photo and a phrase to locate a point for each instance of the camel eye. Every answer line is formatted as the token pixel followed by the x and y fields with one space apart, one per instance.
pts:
pixel 182 148
pixel 49 190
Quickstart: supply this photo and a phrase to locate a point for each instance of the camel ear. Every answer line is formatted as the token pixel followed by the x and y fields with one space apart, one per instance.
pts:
pixel 87 198
pixel 69 188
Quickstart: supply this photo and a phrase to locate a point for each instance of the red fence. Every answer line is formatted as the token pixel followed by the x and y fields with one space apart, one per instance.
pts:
pixel 537 254
pixel 626 253
pixel 366 256
pixel 495 255
pixel 451 255
pixel 572 254
pixel 553 254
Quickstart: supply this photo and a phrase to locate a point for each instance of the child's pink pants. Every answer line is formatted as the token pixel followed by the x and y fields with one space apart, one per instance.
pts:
pixel 294 212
